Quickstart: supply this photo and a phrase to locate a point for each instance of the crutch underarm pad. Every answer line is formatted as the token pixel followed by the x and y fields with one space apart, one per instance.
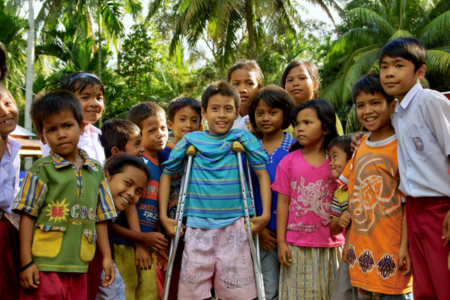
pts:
pixel 191 151
pixel 237 147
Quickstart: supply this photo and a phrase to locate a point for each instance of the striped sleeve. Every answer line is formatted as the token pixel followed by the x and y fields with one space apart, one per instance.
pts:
pixel 31 195
pixel 257 157
pixel 175 163
pixel 105 207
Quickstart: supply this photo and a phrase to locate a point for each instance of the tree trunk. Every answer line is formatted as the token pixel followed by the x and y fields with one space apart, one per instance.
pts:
pixel 250 29
pixel 30 72
pixel 99 12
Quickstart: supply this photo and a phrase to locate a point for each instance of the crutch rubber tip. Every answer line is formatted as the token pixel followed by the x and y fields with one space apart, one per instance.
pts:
pixel 175 229
pixel 191 151
pixel 237 147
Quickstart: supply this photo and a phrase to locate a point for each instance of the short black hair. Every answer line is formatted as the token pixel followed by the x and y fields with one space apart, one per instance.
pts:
pixel 141 111
pixel 116 133
pixel 325 113
pixel 247 64
pixel 79 81
pixel 178 103
pixel 222 88
pixel 343 142
pixel 3 67
pixel 117 163
pixel 46 104
pixel 275 97
pixel 406 48
pixel 370 84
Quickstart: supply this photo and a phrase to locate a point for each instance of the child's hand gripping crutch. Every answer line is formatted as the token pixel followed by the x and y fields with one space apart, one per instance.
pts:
pixel 190 153
pixel 254 245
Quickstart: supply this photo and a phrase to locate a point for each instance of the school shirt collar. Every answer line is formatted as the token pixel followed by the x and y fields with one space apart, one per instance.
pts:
pixel 409 96
pixel 60 162
pixel 13 147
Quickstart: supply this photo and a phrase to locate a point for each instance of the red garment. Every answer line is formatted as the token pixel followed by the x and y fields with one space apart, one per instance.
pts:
pixel 94 274
pixel 161 275
pixel 9 260
pixel 58 286
pixel 431 276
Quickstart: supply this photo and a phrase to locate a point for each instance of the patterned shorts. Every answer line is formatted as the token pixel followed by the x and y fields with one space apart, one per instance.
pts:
pixel 222 255
pixel 311 274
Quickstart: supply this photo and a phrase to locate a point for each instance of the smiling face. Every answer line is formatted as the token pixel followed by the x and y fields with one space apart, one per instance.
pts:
pixel 374 112
pixel 397 76
pixel 61 132
pixel 299 85
pixel 246 82
pixel 134 144
pixel 220 114
pixel 308 128
pixel 338 161
pixel 8 115
pixel 154 134
pixel 92 104
pixel 126 186
pixel 269 120
pixel 186 120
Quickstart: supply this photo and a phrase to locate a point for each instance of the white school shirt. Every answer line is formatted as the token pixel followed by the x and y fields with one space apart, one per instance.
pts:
pixel 422 124
pixel 88 142
pixel 9 175
pixel 239 123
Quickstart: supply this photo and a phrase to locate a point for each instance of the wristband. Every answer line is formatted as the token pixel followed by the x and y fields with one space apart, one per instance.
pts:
pixel 26 266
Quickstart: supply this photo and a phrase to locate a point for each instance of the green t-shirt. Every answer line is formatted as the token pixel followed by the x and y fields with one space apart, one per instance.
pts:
pixel 66 203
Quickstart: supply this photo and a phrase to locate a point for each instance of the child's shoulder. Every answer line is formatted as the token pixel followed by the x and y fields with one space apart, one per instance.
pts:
pixel 428 95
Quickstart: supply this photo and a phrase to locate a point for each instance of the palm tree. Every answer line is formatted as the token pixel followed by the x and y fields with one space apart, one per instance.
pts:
pixel 356 52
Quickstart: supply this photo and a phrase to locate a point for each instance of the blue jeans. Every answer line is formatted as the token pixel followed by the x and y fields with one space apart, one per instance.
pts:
pixel 271 272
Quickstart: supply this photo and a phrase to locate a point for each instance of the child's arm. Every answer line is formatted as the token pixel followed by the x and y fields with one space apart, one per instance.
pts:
pixel 284 255
pixel 103 245
pixel 403 255
pixel 142 255
pixel 163 201
pixel 338 224
pixel 29 278
pixel 347 244
pixel 149 238
pixel 446 234
pixel 266 198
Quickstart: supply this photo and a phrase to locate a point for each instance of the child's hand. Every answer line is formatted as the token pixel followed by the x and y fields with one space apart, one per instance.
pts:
pixel 268 239
pixel 259 223
pixel 356 141
pixel 170 227
pixel 446 230
pixel 284 254
pixel 162 259
pixel 143 257
pixel 155 240
pixel 29 278
pixel 344 220
pixel 110 273
pixel 404 261
pixel 345 252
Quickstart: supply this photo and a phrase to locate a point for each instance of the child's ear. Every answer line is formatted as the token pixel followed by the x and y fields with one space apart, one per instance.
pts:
pixel 170 124
pixel 41 137
pixel 82 128
pixel 106 174
pixel 420 73
pixel 237 113
pixel 392 107
pixel 115 150
pixel 203 113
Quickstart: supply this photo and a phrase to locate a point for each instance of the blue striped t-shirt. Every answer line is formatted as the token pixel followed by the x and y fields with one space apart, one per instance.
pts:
pixel 214 189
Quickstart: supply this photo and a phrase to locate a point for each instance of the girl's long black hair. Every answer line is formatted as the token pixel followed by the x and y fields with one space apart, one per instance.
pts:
pixel 327 116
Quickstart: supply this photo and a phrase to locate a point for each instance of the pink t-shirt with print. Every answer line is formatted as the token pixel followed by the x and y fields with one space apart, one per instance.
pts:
pixel 311 192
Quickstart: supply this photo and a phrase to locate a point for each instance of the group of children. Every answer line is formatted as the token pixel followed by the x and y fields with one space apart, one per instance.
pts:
pixel 338 216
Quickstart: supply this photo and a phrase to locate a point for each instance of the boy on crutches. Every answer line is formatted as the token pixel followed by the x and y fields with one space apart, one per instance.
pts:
pixel 216 241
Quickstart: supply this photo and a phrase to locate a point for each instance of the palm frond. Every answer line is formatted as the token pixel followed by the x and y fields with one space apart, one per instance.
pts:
pixel 370 17
pixel 436 30
pixel 438 61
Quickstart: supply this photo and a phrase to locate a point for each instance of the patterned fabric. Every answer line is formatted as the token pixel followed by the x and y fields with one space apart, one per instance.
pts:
pixel 340 201
pixel 66 210
pixel 215 165
pixel 311 274
pixel 375 206
pixel 310 190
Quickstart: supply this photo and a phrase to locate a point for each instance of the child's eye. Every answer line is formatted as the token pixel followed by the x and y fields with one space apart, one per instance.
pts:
pixel 251 83
pixel 259 114
pixel 138 192
pixel 383 67
pixel 273 113
pixel 182 119
pixel 127 183
pixel 69 125
pixel 399 66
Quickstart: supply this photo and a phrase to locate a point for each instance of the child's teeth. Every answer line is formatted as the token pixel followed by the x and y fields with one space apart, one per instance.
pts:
pixel 125 200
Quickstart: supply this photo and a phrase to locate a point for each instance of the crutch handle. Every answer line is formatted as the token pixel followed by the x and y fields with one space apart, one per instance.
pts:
pixel 175 229
pixel 237 147
pixel 191 151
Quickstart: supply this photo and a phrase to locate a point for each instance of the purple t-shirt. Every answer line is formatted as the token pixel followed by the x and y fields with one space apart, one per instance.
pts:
pixel 311 191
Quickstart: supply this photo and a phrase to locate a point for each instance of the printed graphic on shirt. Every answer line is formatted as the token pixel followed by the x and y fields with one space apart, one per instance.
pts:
pixel 375 193
pixel 79 214
pixel 312 198
pixel 418 143
pixel 386 265
pixel 148 207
